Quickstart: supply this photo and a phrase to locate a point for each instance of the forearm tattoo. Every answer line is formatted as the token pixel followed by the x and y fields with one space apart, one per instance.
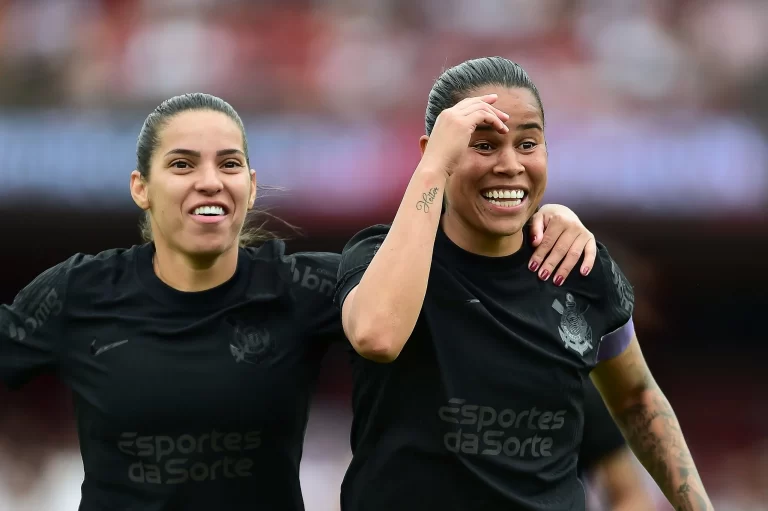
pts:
pixel 427 198
pixel 654 433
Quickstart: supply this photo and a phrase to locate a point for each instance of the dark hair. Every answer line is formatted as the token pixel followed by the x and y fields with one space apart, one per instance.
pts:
pixel 459 82
pixel 149 139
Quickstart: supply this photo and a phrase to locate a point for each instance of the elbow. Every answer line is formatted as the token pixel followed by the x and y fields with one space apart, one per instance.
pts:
pixel 376 344
pixel 374 332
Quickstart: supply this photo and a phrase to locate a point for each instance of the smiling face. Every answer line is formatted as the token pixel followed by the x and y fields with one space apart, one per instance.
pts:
pixel 199 187
pixel 501 180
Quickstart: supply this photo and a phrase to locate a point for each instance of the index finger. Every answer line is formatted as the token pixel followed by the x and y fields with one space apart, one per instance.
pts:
pixel 590 254
pixel 552 233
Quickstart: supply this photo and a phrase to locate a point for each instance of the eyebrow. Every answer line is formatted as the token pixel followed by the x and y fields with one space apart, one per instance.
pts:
pixel 520 127
pixel 196 154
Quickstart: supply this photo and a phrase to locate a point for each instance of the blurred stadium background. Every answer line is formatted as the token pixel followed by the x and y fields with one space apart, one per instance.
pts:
pixel 657 117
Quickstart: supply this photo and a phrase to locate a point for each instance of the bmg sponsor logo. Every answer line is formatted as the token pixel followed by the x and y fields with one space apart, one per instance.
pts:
pixel 314 279
pixel 177 459
pixel 50 305
pixel 485 430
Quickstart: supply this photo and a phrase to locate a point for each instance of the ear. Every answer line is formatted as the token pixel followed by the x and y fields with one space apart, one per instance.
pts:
pixel 423 140
pixel 252 196
pixel 139 190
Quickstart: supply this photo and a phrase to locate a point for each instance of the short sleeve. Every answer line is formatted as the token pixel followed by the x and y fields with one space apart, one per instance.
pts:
pixel 619 304
pixel 601 435
pixel 355 258
pixel 313 277
pixel 32 326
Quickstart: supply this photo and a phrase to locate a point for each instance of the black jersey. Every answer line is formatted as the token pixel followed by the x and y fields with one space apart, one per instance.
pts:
pixel 184 401
pixel 601 435
pixel 483 408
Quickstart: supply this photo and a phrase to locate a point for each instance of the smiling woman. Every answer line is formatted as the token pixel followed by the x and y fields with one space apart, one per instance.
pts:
pixel 471 373
pixel 169 346
pixel 194 181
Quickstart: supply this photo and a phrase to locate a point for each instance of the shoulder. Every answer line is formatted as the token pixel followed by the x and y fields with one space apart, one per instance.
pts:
pixel 322 263
pixel 81 276
pixel 313 272
pixel 608 295
pixel 274 251
pixel 606 280
pixel 360 249
pixel 80 270
pixel 610 281
pixel 370 236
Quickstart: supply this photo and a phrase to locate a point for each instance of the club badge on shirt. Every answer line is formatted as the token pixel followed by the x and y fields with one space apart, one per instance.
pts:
pixel 574 329
pixel 250 345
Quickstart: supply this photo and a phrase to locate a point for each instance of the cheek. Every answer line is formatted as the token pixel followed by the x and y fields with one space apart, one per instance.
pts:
pixel 166 198
pixel 537 170
pixel 240 191
pixel 470 175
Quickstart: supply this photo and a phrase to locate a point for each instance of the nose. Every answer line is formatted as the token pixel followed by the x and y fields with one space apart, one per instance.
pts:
pixel 508 162
pixel 209 181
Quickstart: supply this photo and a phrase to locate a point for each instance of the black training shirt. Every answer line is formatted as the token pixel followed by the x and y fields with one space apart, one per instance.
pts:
pixel 483 409
pixel 184 401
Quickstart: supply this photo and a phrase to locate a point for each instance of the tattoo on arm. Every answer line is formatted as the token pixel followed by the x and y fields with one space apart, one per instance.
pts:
pixel 427 198
pixel 688 495
pixel 654 433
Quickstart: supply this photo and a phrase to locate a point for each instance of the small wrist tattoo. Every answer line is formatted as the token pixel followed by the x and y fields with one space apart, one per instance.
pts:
pixel 427 198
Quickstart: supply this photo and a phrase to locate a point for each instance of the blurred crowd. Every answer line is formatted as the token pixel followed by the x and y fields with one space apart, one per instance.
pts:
pixel 375 57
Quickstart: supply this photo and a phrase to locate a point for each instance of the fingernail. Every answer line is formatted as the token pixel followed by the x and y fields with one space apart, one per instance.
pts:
pixel 559 280
pixel 534 265
pixel 585 270
pixel 544 275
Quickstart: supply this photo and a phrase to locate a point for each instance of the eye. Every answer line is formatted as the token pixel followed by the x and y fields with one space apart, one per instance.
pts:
pixel 180 164
pixel 483 146
pixel 528 146
pixel 232 164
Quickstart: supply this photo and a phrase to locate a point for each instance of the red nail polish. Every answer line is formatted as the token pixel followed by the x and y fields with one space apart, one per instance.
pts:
pixel 585 271
pixel 533 266
pixel 545 275
pixel 559 280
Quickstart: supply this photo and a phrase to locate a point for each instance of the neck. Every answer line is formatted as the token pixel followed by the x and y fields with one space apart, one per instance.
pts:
pixel 484 244
pixel 190 274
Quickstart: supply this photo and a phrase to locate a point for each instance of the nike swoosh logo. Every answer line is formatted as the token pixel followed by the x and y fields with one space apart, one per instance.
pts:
pixel 98 351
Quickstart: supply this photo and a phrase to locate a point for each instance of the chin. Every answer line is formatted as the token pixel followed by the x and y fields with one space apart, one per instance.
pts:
pixel 503 226
pixel 507 230
pixel 209 247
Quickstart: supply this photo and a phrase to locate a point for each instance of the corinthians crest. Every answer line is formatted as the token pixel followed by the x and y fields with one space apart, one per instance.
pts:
pixel 573 329
pixel 250 345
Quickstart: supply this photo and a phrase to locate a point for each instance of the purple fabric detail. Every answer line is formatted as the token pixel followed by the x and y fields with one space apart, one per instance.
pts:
pixel 614 344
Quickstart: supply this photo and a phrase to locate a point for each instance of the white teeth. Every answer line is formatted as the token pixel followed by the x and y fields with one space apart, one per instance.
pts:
pixel 210 210
pixel 504 194
pixel 506 204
